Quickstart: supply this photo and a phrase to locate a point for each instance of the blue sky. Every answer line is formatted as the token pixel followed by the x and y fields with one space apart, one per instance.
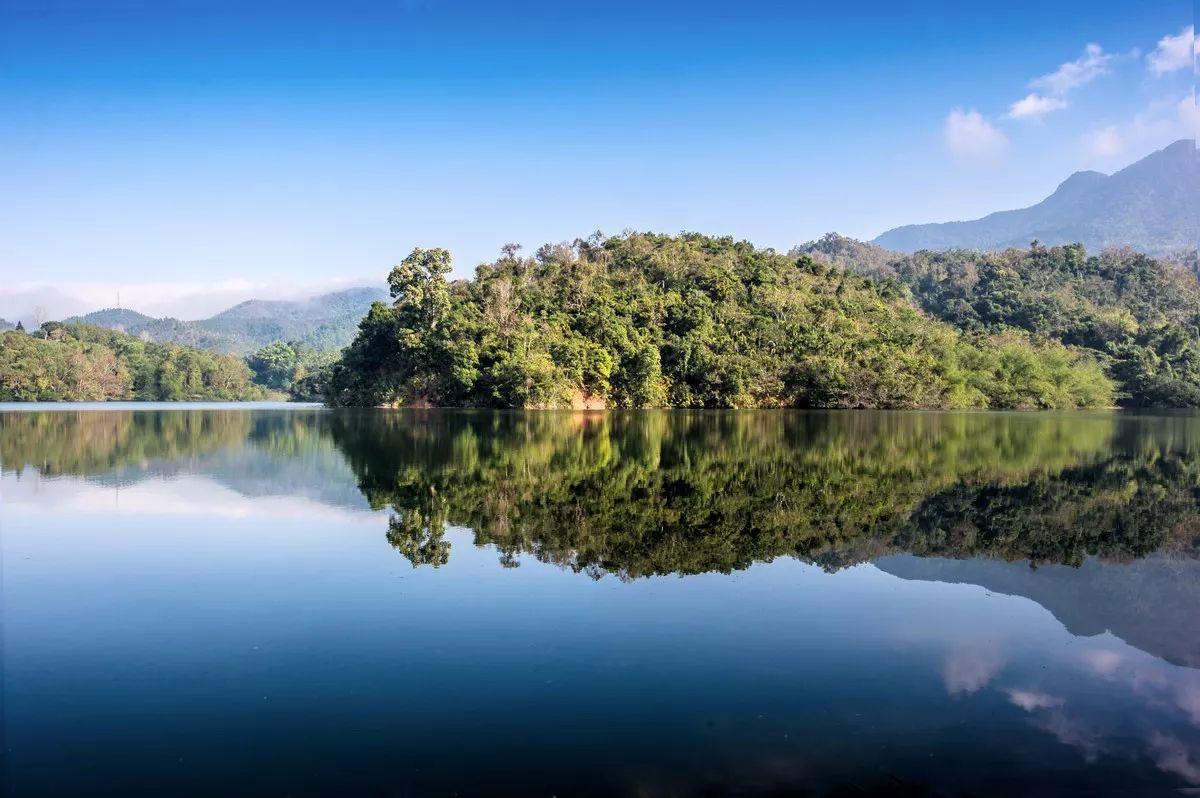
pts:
pixel 193 153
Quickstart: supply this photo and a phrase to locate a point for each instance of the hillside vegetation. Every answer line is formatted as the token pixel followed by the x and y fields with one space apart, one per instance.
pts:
pixel 80 362
pixel 1137 315
pixel 645 320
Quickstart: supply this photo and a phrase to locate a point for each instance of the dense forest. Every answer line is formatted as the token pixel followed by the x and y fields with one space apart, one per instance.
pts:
pixel 1140 316
pixel 81 362
pixel 644 320
pixel 1137 315
pixel 293 367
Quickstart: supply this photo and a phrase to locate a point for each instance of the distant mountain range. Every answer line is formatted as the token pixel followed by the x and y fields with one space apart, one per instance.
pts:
pixel 1152 205
pixel 324 322
pixel 5 324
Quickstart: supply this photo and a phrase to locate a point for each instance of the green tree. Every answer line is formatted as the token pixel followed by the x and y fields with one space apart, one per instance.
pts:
pixel 80 362
pixel 275 365
pixel 1137 316
pixel 645 320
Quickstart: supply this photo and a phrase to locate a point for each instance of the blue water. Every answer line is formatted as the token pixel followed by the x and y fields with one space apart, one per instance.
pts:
pixel 204 602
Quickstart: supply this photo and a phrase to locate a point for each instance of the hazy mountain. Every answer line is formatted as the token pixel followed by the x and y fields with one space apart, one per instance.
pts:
pixel 328 321
pixel 118 319
pixel 7 325
pixel 1152 205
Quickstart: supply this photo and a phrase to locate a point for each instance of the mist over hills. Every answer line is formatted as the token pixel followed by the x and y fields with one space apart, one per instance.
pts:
pixel 328 321
pixel 1152 205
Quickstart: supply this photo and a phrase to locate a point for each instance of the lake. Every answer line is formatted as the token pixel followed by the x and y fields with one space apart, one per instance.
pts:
pixel 301 601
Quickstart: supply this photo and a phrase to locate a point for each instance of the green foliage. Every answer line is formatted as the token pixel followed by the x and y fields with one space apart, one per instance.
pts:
pixel 644 320
pixel 1138 315
pixel 274 365
pixel 80 362
pixel 849 253
pixel 293 367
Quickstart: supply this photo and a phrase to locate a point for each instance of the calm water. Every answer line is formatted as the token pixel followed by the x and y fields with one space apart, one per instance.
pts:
pixel 309 602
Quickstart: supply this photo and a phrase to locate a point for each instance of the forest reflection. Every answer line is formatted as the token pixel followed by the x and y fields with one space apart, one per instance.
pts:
pixel 678 492
pixel 638 494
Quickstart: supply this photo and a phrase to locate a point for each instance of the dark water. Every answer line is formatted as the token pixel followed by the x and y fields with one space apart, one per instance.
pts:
pixel 307 602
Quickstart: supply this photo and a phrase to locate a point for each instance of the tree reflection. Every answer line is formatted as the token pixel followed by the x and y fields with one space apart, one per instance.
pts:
pixel 679 492
pixel 419 534
pixel 87 443
pixel 637 494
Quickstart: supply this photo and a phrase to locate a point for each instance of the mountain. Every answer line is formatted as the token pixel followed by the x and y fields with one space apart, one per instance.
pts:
pixel 121 319
pixel 1152 206
pixel 5 324
pixel 324 322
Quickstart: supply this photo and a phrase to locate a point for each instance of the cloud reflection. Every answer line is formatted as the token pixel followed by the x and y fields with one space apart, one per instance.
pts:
pixel 1174 756
pixel 969 670
pixel 1031 700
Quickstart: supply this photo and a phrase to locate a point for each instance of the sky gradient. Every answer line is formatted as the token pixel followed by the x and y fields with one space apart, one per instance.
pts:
pixel 197 153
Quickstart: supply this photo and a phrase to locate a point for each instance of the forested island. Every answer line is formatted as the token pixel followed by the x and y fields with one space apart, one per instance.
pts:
pixel 647 320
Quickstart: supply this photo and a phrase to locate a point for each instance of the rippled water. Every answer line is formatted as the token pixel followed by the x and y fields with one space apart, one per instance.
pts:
pixel 301 601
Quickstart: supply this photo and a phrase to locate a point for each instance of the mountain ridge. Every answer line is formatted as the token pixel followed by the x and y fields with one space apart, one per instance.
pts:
pixel 326 321
pixel 1151 205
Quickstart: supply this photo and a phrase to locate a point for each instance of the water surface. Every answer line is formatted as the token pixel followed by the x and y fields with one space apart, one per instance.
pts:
pixel 299 601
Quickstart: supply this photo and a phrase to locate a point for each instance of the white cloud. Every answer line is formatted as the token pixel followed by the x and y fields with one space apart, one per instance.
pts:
pixel 969 135
pixel 1030 700
pixel 1174 52
pixel 1051 90
pixel 1189 116
pixel 1035 105
pixel 1162 122
pixel 34 494
pixel 1106 142
pixel 1078 733
pixel 969 669
pixel 1073 74
pixel 1102 662
pixel 1175 756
